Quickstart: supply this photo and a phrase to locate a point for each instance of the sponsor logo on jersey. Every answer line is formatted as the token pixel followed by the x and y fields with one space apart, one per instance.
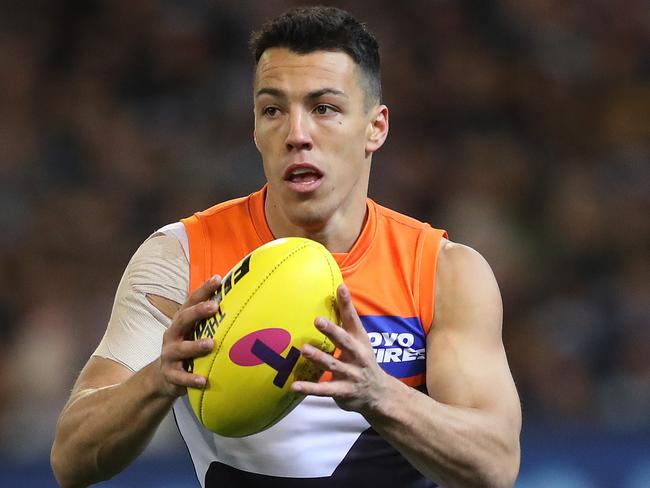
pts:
pixel 398 342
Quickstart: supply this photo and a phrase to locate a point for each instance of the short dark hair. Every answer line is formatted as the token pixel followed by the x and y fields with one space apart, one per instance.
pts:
pixel 307 29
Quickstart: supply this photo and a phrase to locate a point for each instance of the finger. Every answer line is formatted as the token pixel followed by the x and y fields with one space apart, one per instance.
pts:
pixel 349 316
pixel 182 378
pixel 338 335
pixel 179 351
pixel 204 292
pixel 184 322
pixel 324 389
pixel 326 361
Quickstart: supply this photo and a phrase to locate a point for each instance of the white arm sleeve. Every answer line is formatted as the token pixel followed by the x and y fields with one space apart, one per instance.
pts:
pixel 159 267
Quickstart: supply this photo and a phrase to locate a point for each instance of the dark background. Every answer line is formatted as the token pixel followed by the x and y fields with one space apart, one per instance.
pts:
pixel 521 126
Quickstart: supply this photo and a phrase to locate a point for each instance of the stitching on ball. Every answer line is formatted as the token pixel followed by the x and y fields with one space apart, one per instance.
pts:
pixel 329 265
pixel 290 404
pixel 217 347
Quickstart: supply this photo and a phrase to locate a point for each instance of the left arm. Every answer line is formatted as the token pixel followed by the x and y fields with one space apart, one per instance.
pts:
pixel 465 432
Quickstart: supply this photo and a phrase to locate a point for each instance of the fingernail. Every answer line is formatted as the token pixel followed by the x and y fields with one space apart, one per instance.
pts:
pixel 207 344
pixel 200 381
pixel 320 324
pixel 215 278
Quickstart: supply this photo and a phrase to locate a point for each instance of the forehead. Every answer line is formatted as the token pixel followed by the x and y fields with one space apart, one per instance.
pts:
pixel 287 70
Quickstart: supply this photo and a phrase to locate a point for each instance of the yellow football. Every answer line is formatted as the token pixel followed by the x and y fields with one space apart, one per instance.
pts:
pixel 267 306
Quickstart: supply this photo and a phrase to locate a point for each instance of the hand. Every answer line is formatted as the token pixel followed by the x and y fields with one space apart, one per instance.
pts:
pixel 177 348
pixel 358 382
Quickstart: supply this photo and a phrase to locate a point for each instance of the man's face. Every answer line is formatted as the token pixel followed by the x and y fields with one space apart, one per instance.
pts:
pixel 314 134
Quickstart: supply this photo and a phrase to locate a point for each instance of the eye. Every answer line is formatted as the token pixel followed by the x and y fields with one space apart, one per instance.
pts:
pixel 270 111
pixel 324 109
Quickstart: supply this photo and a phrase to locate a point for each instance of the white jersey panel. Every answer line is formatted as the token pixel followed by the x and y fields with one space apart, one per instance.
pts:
pixel 310 442
pixel 200 442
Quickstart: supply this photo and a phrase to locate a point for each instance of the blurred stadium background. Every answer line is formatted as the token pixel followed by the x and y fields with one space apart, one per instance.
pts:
pixel 521 126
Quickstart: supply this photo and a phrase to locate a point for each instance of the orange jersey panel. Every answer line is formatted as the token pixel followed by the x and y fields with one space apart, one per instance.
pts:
pixel 390 272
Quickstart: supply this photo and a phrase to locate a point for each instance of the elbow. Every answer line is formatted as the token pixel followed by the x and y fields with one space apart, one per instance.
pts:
pixel 504 462
pixel 505 470
pixel 499 471
pixel 500 475
pixel 511 468
pixel 65 470
pixel 57 463
pixel 505 479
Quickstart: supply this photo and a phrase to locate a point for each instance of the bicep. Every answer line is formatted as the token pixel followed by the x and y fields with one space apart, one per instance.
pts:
pixel 466 360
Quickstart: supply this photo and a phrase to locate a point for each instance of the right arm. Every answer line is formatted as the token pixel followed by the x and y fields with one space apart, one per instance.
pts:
pixel 112 412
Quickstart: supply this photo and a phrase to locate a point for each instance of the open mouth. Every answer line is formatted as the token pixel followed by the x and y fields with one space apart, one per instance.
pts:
pixel 303 176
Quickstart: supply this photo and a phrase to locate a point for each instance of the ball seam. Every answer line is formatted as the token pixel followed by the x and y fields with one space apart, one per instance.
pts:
pixel 329 265
pixel 217 347
pixel 325 339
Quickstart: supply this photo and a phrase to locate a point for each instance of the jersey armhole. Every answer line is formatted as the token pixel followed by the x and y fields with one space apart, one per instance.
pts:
pixel 199 251
pixel 428 248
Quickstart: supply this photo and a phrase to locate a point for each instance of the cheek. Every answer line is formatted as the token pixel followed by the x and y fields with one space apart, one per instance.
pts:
pixel 264 140
pixel 352 145
pixel 350 157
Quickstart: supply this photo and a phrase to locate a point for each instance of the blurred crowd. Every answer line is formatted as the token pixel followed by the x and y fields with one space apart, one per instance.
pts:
pixel 521 126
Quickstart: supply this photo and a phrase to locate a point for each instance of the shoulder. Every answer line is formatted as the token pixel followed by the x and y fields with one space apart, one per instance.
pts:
pixel 465 282
pixel 458 259
pixel 160 265
pixel 160 247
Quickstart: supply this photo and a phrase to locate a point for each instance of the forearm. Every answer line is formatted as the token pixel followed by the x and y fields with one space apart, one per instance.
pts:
pixel 455 446
pixel 103 430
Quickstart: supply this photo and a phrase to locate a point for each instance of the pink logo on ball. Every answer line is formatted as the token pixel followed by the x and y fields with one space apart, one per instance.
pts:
pixel 265 347
pixel 241 352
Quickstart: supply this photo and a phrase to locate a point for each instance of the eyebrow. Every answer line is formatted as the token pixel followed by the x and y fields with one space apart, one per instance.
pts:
pixel 312 95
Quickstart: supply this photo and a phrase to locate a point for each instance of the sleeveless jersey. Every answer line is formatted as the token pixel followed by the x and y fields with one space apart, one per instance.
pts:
pixel 390 272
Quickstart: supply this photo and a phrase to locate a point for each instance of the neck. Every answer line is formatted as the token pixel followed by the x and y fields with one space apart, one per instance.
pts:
pixel 337 232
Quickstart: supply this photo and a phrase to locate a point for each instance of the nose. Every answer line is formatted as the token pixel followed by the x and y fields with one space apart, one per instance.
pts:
pixel 298 137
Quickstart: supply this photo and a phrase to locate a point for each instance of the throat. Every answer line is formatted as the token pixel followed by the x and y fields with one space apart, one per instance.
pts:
pixel 309 218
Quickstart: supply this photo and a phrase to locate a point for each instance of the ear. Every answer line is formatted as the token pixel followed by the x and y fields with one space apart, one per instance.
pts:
pixel 377 129
pixel 255 139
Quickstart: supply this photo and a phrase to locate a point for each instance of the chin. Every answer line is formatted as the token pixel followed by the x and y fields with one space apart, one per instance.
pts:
pixel 309 215
pixel 309 219
pixel 309 211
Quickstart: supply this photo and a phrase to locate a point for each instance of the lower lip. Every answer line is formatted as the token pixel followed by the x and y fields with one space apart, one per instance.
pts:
pixel 304 187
